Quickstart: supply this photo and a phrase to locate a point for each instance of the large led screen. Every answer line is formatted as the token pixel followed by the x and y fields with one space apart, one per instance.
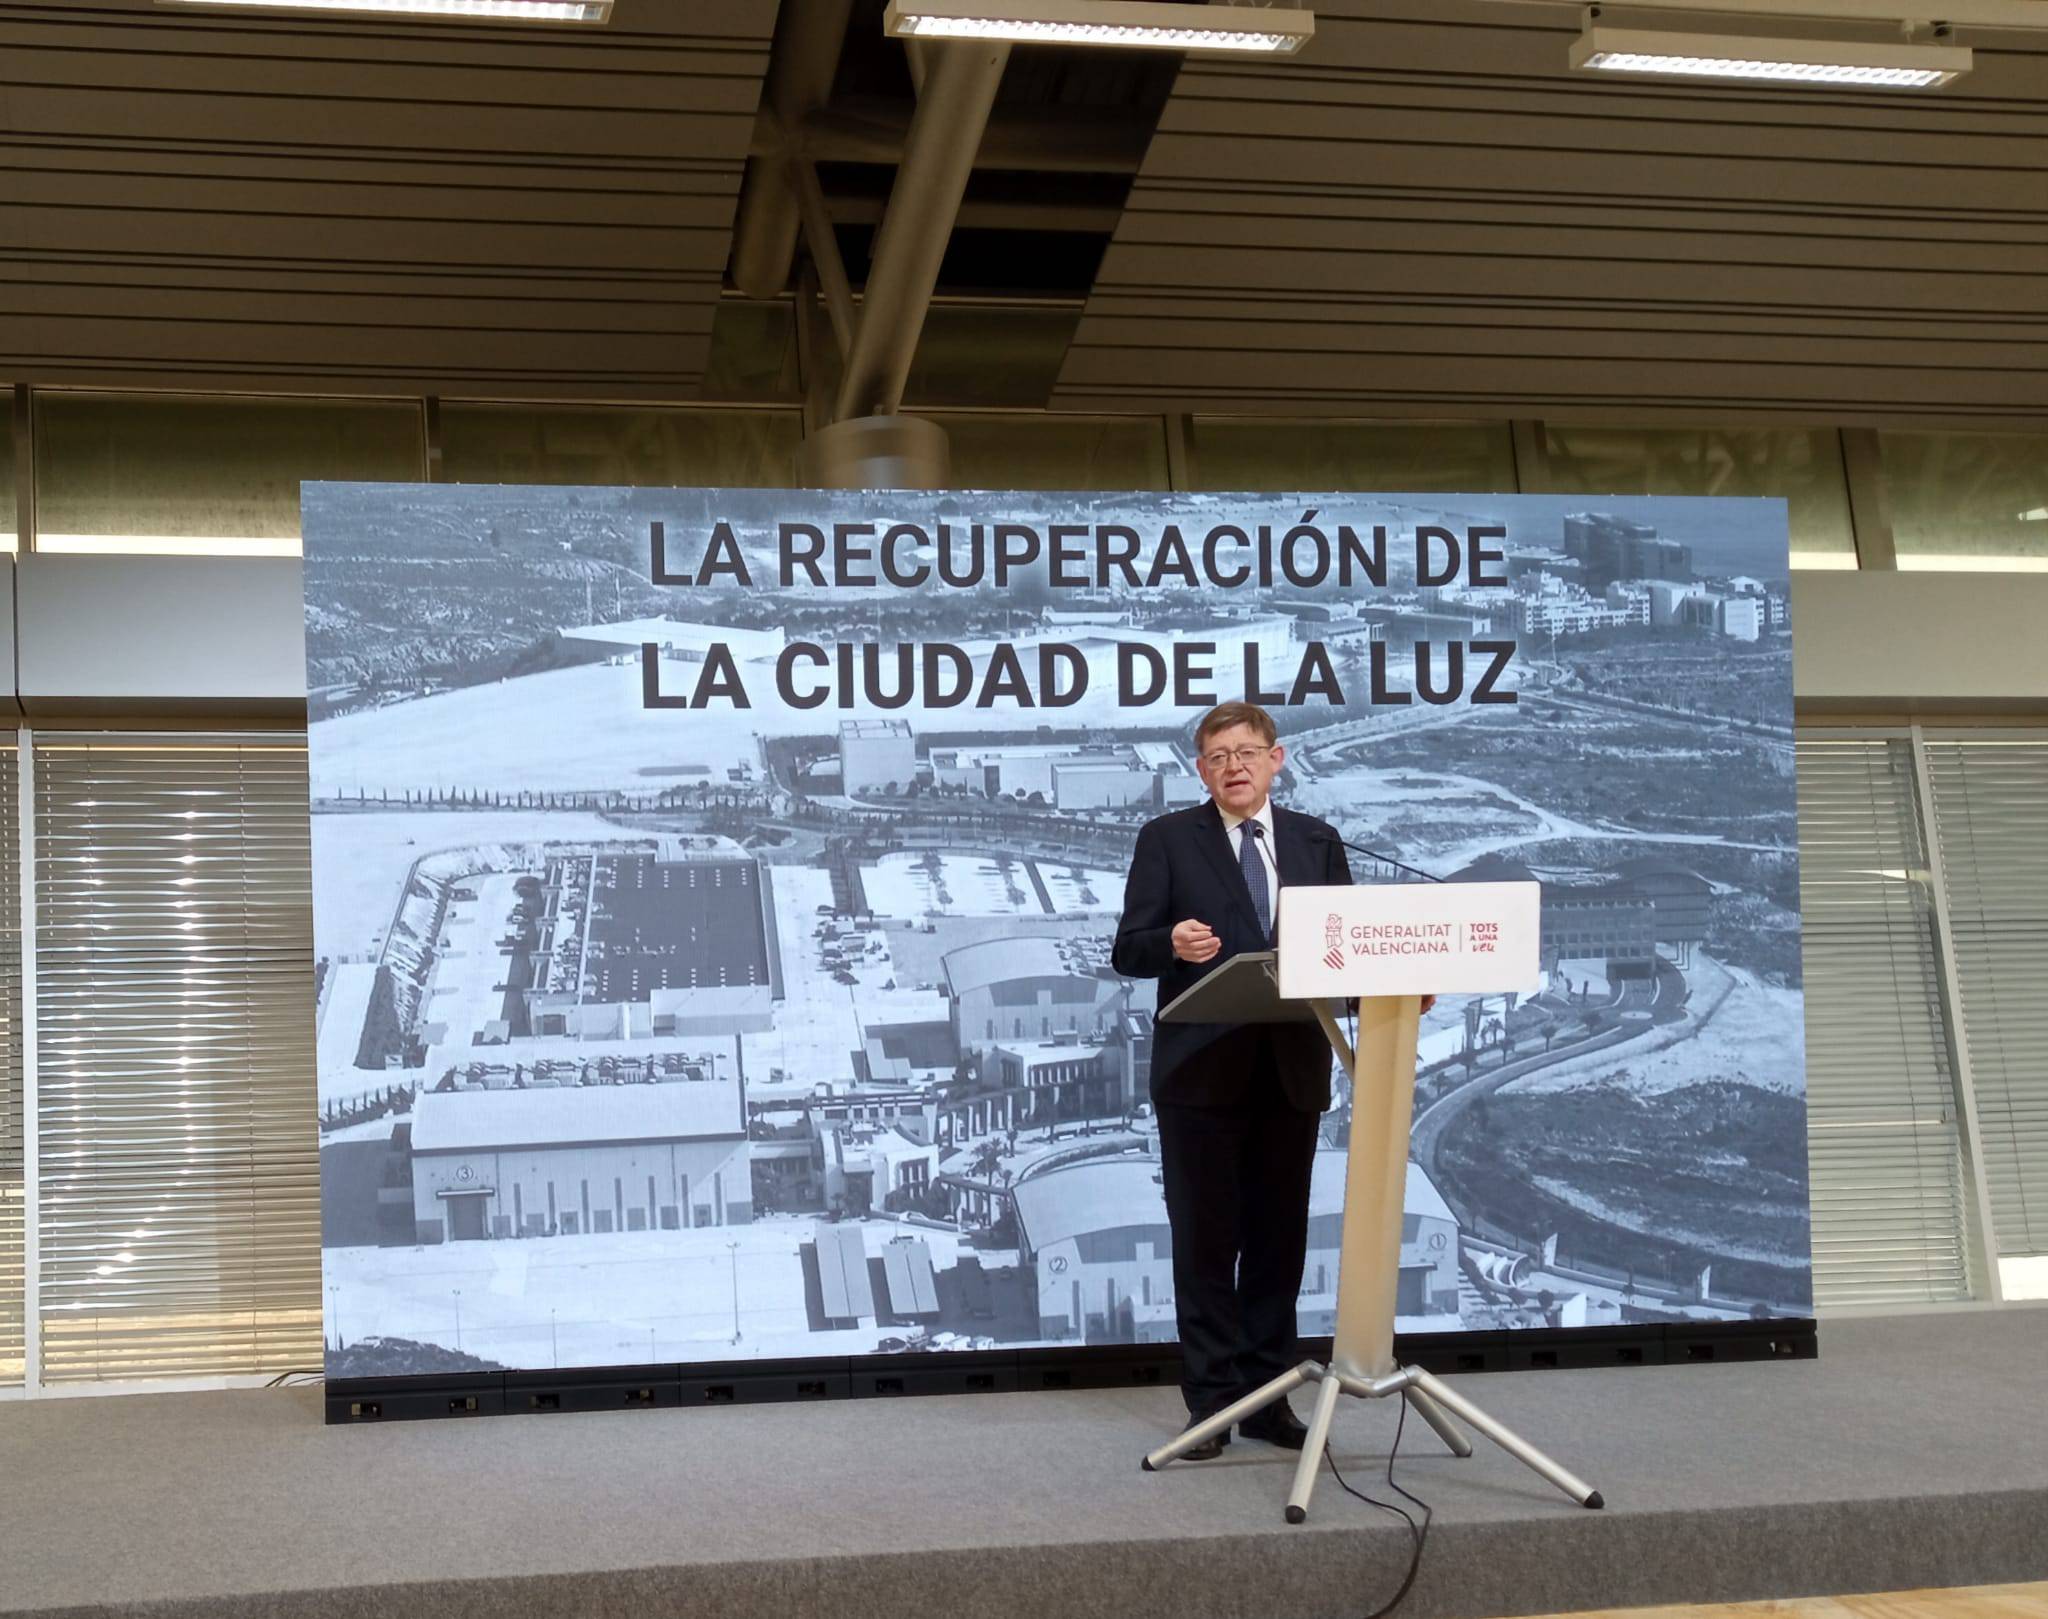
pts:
pixel 714 892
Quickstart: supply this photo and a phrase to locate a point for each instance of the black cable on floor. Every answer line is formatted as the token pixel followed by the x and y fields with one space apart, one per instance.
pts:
pixel 1418 1532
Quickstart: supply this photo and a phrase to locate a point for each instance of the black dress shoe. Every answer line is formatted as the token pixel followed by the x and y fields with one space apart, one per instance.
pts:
pixel 1277 1425
pixel 1209 1449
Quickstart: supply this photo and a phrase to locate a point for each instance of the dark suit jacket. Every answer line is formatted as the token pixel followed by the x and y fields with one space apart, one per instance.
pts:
pixel 1185 866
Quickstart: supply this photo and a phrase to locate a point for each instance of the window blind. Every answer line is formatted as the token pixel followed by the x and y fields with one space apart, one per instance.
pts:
pixel 1884 1148
pixel 178 1216
pixel 12 1190
pixel 1990 797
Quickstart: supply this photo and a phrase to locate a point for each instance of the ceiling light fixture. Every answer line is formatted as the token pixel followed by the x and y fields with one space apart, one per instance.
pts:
pixel 1825 64
pixel 571 11
pixel 1236 30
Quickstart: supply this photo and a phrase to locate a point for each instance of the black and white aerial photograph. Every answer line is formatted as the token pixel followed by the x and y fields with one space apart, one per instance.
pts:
pixel 714 893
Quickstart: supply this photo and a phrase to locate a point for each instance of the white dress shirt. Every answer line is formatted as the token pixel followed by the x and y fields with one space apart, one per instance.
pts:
pixel 1264 817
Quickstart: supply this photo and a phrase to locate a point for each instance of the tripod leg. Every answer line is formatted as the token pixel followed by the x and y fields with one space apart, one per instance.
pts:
pixel 1312 1450
pixel 1522 1451
pixel 1440 1421
pixel 1282 1386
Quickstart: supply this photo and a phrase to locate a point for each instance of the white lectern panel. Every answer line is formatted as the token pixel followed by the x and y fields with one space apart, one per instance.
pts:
pixel 1410 939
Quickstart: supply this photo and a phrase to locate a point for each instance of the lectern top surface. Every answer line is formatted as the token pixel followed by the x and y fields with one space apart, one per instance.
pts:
pixel 1245 989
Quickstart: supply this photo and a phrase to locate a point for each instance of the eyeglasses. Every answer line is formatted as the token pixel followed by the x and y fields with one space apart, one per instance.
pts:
pixel 1241 756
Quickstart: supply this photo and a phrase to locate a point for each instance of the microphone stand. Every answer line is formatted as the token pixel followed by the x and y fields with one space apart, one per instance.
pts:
pixel 1383 859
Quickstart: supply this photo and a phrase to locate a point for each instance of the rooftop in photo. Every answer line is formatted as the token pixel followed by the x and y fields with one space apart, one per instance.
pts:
pixel 683 924
pixel 486 1120
pixel 995 961
pixel 1120 1192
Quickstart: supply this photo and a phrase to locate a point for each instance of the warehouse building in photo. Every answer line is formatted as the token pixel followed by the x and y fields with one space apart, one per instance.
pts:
pixel 579 1160
pixel 1027 989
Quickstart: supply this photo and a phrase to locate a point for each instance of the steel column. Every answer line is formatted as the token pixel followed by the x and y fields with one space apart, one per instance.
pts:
pixel 959 91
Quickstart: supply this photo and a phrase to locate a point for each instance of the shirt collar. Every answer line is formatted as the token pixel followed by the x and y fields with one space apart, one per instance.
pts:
pixel 1265 819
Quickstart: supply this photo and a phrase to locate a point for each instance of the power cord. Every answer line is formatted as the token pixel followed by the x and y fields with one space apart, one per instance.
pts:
pixel 1419 1532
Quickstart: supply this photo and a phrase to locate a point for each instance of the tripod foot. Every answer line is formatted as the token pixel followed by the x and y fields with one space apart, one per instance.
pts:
pixel 1439 1421
pixel 1220 1423
pixel 1313 1448
pixel 1596 1501
pixel 1145 1465
pixel 1522 1451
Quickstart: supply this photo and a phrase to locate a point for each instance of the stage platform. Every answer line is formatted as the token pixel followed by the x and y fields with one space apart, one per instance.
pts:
pixel 1913 1452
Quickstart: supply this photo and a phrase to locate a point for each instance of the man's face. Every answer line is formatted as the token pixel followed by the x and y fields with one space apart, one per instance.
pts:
pixel 1238 766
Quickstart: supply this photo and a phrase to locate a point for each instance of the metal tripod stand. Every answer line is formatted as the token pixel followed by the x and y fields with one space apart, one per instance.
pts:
pixel 1362 1364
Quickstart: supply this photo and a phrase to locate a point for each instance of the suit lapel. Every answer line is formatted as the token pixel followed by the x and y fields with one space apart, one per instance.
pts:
pixel 1215 842
pixel 1300 866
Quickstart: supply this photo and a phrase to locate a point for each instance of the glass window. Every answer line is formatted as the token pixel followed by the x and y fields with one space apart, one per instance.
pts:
pixel 1378 457
pixel 9 540
pixel 1968 500
pixel 178 1223
pixel 170 472
pixel 619 446
pixel 1803 465
pixel 13 1187
pixel 1988 790
pixel 1030 450
pixel 1884 1156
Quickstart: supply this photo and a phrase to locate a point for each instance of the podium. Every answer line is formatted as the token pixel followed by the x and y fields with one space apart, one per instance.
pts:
pixel 1384 945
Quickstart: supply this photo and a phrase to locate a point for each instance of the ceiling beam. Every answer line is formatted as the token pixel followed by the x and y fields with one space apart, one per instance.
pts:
pixel 808 38
pixel 1067 218
pixel 1068 140
pixel 938 157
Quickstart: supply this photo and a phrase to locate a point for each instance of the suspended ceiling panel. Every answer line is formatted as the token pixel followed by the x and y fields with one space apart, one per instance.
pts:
pixel 192 200
pixel 1427 216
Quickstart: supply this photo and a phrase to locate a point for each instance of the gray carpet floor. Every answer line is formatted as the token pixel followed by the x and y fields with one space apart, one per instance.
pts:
pixel 1915 1451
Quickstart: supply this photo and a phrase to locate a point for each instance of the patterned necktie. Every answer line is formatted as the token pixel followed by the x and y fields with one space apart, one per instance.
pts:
pixel 1254 866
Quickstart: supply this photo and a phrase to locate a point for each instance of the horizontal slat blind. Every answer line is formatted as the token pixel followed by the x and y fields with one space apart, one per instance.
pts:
pixel 12 1207
pixel 1887 1177
pixel 1991 815
pixel 179 1203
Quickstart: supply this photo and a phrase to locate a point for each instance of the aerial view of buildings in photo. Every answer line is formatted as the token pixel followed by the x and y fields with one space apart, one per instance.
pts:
pixel 655 1033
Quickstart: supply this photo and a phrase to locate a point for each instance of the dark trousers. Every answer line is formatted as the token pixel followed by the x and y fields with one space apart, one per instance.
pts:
pixel 1237 1181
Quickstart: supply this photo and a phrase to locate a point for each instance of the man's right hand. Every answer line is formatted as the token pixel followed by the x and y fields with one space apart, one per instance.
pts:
pixel 1195 941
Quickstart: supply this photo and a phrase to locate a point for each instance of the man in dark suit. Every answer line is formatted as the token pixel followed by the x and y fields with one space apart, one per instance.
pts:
pixel 1239 1106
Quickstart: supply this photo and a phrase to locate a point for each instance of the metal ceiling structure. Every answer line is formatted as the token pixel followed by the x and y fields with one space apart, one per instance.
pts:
pixel 368 205
pixel 1426 216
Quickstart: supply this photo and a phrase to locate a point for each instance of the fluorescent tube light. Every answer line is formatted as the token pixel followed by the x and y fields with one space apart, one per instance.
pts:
pixel 583 11
pixel 1750 58
pixel 183 545
pixel 1971 562
pixel 1163 27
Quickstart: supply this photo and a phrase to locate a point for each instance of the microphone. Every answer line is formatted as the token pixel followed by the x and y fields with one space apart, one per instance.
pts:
pixel 1329 836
